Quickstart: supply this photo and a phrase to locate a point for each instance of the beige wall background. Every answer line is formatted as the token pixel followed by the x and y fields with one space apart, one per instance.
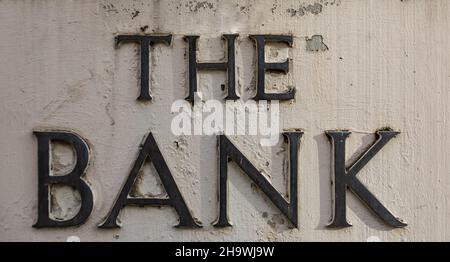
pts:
pixel 387 63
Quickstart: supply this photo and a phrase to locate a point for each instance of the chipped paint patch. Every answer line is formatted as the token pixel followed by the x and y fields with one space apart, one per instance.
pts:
pixel 316 44
pixel 148 184
pixel 313 9
pixel 62 158
pixel 277 222
pixel 196 6
pixel 65 202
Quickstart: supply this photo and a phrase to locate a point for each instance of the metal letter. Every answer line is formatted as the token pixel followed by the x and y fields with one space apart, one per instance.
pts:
pixel 150 149
pixel 229 152
pixel 283 67
pixel 73 179
pixel 344 178
pixel 144 41
pixel 229 66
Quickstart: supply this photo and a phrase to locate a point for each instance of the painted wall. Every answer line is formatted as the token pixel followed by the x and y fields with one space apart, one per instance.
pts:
pixel 377 63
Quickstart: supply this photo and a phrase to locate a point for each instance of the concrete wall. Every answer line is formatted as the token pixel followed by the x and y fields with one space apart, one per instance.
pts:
pixel 382 63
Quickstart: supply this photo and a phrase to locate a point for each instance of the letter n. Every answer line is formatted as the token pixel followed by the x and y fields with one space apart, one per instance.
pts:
pixel 229 152
pixel 150 150
pixel 344 178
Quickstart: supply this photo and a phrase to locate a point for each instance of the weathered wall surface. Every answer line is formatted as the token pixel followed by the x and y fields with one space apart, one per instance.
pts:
pixel 382 63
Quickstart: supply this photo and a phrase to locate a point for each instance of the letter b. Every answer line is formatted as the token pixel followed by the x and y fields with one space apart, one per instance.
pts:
pixel 73 178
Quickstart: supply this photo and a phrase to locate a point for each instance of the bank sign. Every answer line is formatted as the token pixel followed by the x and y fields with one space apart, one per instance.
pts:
pixel 207 121
pixel 344 174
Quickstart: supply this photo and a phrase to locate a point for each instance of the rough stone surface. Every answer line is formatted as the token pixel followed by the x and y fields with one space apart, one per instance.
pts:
pixel 388 64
